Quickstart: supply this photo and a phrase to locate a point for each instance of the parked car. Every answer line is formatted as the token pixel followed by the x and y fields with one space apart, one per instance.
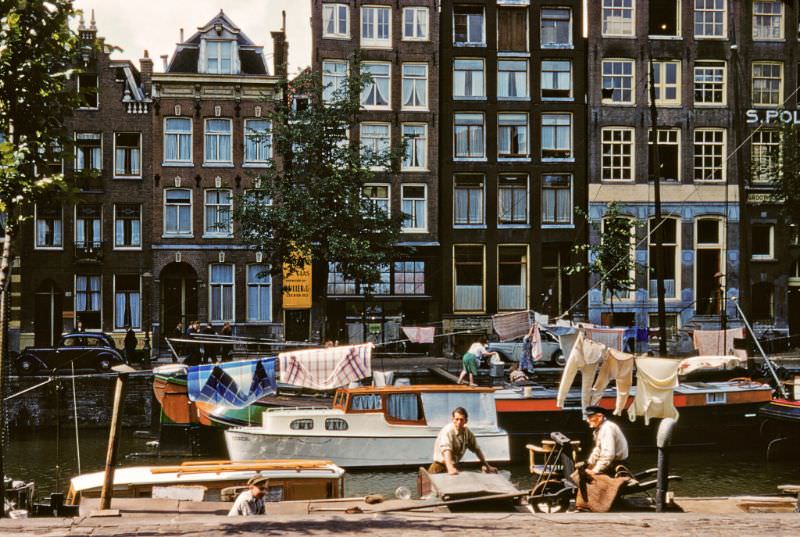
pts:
pixel 86 350
pixel 511 351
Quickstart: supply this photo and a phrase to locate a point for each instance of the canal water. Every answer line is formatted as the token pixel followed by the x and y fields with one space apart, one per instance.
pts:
pixel 38 457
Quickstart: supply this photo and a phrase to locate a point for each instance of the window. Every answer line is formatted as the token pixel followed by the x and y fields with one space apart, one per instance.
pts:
pixel 377 92
pixel 382 286
pixel 767 19
pixel 619 18
pixel 468 200
pixel 765 151
pixel 671 322
pixel 414 204
pixel 127 154
pixel 177 139
pixel 618 75
pixel 708 265
pixel 620 223
pixel 335 21
pixel 468 79
pixel 556 136
pixel 709 154
pixel 337 283
pixel 763 241
pixel 219 57
pixel 303 424
pixel 178 211
pixel 617 157
pixel 127 302
pixel 370 401
pixel 257 141
pixel 761 310
pixel 220 289
pixel 219 206
pixel 375 140
pixel 335 424
pixel 409 278
pixel 127 225
pixel 49 227
pixel 667 234
pixel 88 89
pixel 468 277
pixel 709 83
pixel 415 24
pixel 218 141
pixel 415 86
pixel 88 151
pixel 87 300
pixel 709 18
pixel 556 199
pixel 512 29
pixel 415 137
pixel 512 135
pixel 334 80
pixel 767 84
pixel 468 134
pixel 556 79
pixel 403 407
pixel 512 278
pixel 512 79
pixel 468 26
pixel 259 293
pixel 668 155
pixel 556 31
pixel 378 196
pixel 512 200
pixel 667 82
pixel 664 18
pixel 376 27
pixel 88 226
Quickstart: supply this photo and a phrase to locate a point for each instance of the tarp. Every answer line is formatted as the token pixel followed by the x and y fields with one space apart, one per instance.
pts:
pixel 511 325
pixel 234 384
pixel 328 368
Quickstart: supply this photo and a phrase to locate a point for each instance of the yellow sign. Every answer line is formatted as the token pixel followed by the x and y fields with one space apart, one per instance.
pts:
pixel 297 288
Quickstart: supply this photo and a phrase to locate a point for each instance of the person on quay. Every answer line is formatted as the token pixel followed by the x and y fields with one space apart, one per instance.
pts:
pixel 130 345
pixel 471 358
pixel 251 501
pixel 610 444
pixel 453 441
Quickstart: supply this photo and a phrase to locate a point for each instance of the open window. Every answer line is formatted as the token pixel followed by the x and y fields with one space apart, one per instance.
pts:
pixel 468 264
pixel 668 155
pixel 512 280
pixel 709 257
pixel 665 18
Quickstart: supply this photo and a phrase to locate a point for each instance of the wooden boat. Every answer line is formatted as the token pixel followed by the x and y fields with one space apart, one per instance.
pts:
pixel 390 426
pixel 288 479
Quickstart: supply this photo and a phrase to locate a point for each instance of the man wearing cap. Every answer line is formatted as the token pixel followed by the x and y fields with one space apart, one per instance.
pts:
pixel 452 442
pixel 610 445
pixel 251 501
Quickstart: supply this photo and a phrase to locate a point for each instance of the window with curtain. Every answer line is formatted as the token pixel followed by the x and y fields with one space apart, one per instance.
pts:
pixel 375 140
pixel 556 136
pixel 468 134
pixel 403 407
pixel 556 79
pixel 257 141
pixel 468 277
pixel 178 211
pixel 512 79
pixel 177 139
pixel 377 91
pixel 415 85
pixel 376 26
pixel 512 199
pixel 415 23
pixel 335 20
pixel 468 79
pixel 416 144
pixel 371 401
pixel 556 199
pixel 767 83
pixel 512 135
pixel 468 203
pixel 259 293
pixel 88 151
pixel 127 301
pixel 767 20
pixel 49 227
pixel 127 225
pixel 414 203
pixel 87 300
pixel 512 277
pixel 88 224
pixel 127 154
pixel 218 140
pixel 556 27
pixel 219 207
pixel 219 57
pixel 221 290
pixel 334 79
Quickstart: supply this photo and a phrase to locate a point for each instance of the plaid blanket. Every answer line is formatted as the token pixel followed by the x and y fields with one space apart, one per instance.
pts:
pixel 511 325
pixel 233 384
pixel 326 369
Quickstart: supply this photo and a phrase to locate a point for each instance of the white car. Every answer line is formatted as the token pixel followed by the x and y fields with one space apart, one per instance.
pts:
pixel 511 351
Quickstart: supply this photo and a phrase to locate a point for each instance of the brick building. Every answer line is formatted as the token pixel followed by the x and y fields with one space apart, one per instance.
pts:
pixel 88 260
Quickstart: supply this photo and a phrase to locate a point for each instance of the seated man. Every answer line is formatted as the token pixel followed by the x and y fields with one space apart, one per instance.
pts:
pixel 251 501
pixel 516 376
pixel 610 445
pixel 453 441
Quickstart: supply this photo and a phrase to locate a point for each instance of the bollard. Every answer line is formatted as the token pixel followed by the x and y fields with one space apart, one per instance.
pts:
pixel 663 441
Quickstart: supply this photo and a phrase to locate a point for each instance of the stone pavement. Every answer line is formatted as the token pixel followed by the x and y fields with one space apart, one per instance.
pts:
pixel 420 524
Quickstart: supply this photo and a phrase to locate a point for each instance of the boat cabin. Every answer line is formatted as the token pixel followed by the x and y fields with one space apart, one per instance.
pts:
pixel 288 479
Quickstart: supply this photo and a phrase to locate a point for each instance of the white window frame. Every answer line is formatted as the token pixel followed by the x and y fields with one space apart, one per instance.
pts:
pixel 119 327
pixel 526 91
pixel 141 229
pixel 525 273
pixel 571 43
pixel 720 147
pixel 526 187
pixel 178 135
pixel 510 117
pixel 618 6
pixel 114 141
pixel 85 243
pixel 678 24
pixel 375 147
pixel 374 82
pixel 376 42
pixel 36 233
pixel 617 171
pixel 662 85
pixel 483 279
pixel 335 80
pixel 418 13
pixel 779 100
pixel 781 15
pixel 470 156
pixel 414 80
pixel 557 126
pixel 214 233
pixel 720 245
pixel 701 9
pixel 414 213
pixel 334 11
pixel 482 43
pixel 380 202
pixel 556 224
pixel 555 78
pixel 258 285
pixel 211 285
pixel 217 43
pixel 88 291
pixel 665 136
pixel 265 159
pixel 412 146
pixel 457 94
pixel 166 233
pixel 99 137
pixel 219 137
pixel 771 255
pixel 707 67
pixel 676 258
pixel 762 142
pixel 613 77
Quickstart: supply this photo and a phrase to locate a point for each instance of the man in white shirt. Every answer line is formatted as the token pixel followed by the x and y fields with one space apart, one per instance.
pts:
pixel 452 442
pixel 610 445
pixel 251 501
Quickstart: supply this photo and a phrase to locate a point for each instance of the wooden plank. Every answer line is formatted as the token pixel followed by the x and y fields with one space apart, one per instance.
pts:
pixel 444 374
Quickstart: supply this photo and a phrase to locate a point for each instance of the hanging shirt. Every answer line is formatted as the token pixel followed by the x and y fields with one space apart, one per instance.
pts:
pixel 656 380
pixel 584 358
pixel 618 366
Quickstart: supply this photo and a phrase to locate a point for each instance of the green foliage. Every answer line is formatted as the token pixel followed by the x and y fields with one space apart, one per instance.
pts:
pixel 781 170
pixel 312 203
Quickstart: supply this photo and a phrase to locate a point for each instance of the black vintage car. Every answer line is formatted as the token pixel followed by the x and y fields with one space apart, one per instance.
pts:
pixel 85 350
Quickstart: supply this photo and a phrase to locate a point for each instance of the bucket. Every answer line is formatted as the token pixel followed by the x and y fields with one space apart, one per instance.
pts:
pixel 527 391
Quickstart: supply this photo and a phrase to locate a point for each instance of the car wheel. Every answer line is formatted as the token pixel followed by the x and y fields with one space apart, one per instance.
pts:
pixel 557 359
pixel 103 364
pixel 27 366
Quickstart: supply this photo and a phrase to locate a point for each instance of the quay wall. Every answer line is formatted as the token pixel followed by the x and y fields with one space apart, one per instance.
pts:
pixel 45 406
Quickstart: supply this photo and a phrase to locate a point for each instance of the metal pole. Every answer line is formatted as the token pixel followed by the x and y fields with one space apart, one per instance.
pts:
pixel 770 366
pixel 663 441
pixel 113 440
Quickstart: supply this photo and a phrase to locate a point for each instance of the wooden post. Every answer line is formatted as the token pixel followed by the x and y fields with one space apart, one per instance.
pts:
pixel 113 440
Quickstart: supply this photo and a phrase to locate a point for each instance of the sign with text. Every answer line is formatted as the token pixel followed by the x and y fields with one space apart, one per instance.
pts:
pixel 297 287
pixel 773 116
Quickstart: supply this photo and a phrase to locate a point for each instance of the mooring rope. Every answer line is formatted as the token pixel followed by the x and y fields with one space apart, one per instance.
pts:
pixel 26 390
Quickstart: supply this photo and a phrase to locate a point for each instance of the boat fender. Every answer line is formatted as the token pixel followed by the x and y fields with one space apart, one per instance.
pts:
pixel 372 499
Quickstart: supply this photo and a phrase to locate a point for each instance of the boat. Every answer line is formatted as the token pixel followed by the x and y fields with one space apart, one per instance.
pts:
pixel 288 480
pixel 389 426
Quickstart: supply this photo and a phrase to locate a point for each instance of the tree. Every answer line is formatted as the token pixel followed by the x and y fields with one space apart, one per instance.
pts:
pixel 312 202
pixel 610 258
pixel 37 53
pixel 780 168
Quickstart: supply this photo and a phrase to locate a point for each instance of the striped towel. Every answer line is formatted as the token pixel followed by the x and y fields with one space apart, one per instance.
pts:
pixel 326 369
pixel 511 325
pixel 610 337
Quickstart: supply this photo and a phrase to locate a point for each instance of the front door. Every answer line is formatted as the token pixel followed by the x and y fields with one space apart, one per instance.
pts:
pixel 48 322
pixel 709 297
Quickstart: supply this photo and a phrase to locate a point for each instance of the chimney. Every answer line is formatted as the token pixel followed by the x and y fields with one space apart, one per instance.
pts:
pixel 164 61
pixel 146 70
pixel 280 49
pixel 181 41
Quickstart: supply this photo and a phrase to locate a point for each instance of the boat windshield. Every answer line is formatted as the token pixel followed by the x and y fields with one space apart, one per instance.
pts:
pixel 439 407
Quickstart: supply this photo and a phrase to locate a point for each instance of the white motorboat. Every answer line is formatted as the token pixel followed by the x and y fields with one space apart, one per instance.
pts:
pixel 389 426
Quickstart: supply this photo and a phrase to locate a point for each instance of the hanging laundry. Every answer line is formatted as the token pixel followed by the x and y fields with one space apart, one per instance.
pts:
pixel 233 384
pixel 656 380
pixel 716 342
pixel 511 325
pixel 610 337
pixel 536 343
pixel 419 334
pixel 326 369
pixel 541 318
pixel 584 358
pixel 617 366
pixel 695 363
